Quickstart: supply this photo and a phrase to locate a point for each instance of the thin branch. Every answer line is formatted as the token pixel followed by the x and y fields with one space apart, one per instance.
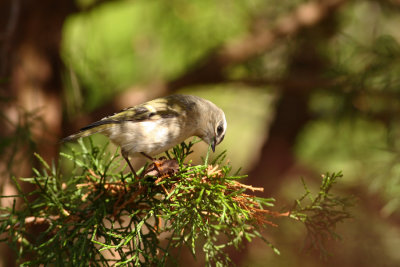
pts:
pixel 211 68
pixel 305 15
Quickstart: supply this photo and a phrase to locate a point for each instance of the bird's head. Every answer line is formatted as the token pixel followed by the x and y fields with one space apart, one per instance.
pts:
pixel 213 125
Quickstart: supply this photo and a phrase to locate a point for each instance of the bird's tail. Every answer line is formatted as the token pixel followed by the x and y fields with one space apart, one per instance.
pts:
pixel 96 127
pixel 77 135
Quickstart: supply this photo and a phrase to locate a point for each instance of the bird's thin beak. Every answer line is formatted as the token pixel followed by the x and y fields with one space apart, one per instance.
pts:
pixel 213 144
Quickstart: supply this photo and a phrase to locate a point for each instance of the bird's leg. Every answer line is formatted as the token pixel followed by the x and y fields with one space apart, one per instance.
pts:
pixel 147 156
pixel 130 166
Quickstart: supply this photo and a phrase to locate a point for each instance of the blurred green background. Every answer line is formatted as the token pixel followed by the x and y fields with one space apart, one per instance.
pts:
pixel 307 87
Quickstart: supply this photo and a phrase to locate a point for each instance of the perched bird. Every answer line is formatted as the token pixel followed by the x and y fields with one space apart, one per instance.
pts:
pixel 158 125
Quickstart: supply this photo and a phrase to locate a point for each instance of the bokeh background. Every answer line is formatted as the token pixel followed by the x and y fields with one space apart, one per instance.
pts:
pixel 307 87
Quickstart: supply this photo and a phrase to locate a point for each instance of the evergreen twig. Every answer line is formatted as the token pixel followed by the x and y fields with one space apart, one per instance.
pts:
pixel 96 214
pixel 321 213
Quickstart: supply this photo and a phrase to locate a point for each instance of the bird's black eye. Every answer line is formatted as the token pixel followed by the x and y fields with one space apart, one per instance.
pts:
pixel 220 129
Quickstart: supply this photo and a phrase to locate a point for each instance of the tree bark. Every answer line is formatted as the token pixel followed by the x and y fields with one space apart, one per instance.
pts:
pixel 31 86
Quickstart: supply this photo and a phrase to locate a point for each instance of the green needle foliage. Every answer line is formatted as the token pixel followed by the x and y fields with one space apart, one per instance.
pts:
pixel 321 213
pixel 100 215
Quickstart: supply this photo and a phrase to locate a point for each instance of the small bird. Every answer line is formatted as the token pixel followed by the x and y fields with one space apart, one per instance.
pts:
pixel 158 125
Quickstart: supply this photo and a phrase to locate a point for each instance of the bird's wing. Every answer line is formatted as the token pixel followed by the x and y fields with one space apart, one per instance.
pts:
pixel 152 110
